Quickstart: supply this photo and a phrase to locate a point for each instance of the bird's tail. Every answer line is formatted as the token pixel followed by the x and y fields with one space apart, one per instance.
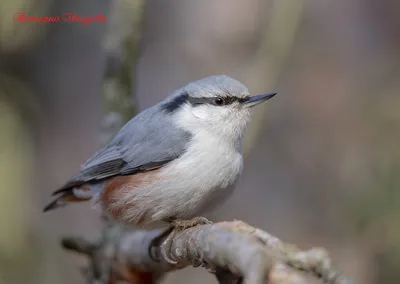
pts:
pixel 65 197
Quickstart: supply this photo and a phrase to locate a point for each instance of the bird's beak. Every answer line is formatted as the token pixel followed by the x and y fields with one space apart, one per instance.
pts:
pixel 257 99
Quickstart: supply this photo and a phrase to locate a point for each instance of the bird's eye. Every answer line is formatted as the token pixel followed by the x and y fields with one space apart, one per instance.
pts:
pixel 219 101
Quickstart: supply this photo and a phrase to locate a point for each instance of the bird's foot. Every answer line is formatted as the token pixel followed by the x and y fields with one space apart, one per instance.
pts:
pixel 176 226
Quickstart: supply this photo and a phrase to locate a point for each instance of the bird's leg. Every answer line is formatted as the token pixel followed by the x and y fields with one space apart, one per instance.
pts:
pixel 177 225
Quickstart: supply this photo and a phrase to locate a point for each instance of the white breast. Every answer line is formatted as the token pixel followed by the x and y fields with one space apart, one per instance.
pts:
pixel 204 175
pixel 205 172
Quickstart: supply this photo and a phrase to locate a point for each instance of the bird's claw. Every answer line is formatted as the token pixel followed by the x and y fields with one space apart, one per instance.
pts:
pixel 179 225
pixel 166 246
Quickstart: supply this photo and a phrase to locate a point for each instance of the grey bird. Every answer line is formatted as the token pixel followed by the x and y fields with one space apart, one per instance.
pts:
pixel 173 161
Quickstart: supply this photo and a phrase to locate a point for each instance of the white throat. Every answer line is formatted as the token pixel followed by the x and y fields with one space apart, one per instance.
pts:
pixel 226 125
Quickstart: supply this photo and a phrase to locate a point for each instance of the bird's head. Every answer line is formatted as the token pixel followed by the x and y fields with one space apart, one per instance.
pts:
pixel 217 104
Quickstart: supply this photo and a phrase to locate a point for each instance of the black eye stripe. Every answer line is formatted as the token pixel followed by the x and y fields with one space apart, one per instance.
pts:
pixel 178 101
pixel 212 100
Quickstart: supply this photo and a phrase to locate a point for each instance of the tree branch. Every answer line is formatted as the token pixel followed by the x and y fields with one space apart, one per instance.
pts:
pixel 231 250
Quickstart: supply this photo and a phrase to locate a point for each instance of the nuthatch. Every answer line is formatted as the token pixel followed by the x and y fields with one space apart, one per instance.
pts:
pixel 174 160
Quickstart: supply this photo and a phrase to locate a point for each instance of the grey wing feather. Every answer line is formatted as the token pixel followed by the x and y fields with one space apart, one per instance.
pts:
pixel 146 142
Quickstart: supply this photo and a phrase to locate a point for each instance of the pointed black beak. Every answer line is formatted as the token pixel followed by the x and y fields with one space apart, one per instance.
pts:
pixel 257 99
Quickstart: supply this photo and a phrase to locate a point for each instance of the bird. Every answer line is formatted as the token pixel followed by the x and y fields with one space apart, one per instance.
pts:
pixel 176 160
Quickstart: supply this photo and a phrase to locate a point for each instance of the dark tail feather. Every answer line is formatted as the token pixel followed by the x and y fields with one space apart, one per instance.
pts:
pixel 57 203
pixel 67 196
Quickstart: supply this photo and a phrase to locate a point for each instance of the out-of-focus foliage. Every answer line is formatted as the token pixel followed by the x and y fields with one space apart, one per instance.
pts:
pixel 377 214
pixel 18 35
pixel 16 159
pixel 34 64
pixel 16 145
pixel 376 207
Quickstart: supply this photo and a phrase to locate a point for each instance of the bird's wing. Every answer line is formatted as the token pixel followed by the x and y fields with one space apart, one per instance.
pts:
pixel 146 142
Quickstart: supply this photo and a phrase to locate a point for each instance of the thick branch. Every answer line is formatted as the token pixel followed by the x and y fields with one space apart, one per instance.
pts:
pixel 233 247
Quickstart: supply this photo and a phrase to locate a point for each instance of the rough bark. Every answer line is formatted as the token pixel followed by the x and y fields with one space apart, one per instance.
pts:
pixel 231 250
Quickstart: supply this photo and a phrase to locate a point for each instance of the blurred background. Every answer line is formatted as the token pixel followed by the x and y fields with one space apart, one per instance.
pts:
pixel 322 161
